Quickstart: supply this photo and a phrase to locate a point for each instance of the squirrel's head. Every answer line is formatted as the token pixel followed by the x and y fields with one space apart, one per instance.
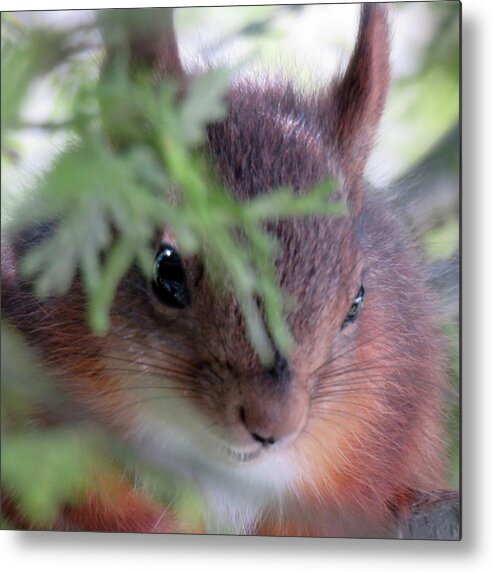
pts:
pixel 192 337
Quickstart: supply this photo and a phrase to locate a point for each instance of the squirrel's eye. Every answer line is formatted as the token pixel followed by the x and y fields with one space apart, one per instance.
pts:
pixel 169 282
pixel 355 307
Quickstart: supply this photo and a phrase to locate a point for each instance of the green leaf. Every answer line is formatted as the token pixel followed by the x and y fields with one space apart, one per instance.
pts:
pixel 203 104
pixel 119 260
pixel 45 470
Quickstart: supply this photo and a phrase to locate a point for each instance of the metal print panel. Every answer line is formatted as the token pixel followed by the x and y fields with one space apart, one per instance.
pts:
pixel 230 268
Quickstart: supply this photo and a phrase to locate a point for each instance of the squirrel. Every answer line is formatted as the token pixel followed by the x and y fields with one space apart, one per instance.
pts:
pixel 333 440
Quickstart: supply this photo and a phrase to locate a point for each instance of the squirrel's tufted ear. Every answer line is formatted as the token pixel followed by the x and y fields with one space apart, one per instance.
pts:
pixel 152 41
pixel 352 108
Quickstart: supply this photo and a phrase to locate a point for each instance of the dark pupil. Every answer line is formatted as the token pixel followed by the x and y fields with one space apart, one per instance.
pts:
pixel 169 283
pixel 355 307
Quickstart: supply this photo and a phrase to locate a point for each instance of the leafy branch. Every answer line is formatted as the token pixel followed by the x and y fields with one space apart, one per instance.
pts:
pixel 137 165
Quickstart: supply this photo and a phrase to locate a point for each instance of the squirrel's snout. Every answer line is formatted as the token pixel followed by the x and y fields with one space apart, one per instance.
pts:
pixel 268 423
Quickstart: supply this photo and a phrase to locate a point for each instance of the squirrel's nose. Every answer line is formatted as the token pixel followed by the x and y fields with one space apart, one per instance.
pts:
pixel 264 439
pixel 268 427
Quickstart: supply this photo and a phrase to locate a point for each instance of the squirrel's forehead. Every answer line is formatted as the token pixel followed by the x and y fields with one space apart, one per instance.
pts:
pixel 277 125
pixel 298 127
pixel 265 147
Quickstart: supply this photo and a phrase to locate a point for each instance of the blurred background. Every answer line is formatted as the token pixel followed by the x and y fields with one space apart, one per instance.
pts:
pixel 415 162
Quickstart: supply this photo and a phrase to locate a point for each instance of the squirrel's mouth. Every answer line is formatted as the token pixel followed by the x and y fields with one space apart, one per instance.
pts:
pixel 242 456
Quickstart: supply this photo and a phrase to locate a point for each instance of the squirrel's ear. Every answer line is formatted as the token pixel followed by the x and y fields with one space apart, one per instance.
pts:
pixel 354 104
pixel 152 41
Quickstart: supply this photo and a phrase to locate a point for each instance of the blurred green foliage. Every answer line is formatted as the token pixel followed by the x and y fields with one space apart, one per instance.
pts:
pixel 42 468
pixel 453 410
pixel 426 102
pixel 47 455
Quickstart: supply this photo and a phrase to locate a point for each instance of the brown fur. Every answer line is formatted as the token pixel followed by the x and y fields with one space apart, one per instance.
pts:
pixel 361 405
